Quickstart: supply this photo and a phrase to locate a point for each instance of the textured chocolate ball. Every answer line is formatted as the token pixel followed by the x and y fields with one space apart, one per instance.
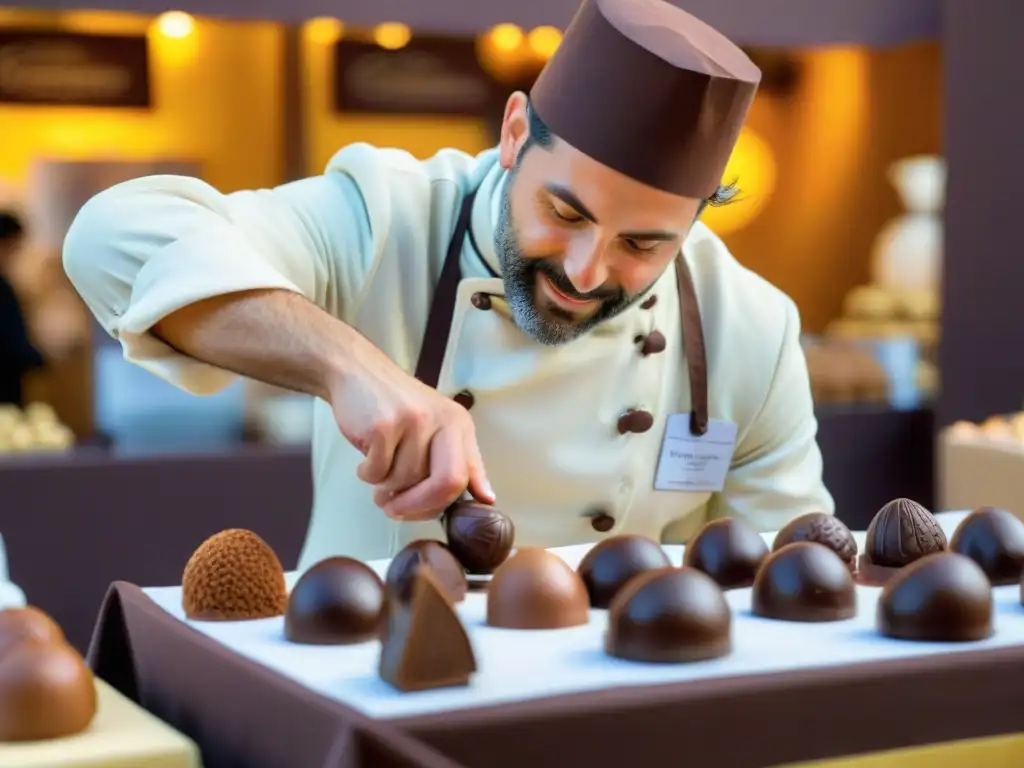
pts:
pixel 535 589
pixel 727 550
pixel 339 601
pixel 819 528
pixel 669 615
pixel 401 574
pixel 994 539
pixel 804 582
pixel 18 625
pixel 46 692
pixel 941 598
pixel 611 563
pixel 479 536
pixel 903 531
pixel 233 576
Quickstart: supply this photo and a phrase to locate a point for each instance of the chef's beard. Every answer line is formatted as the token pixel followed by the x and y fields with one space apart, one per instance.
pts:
pixel 551 325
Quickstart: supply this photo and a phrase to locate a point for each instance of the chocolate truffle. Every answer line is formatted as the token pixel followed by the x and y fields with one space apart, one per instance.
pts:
pixel 479 536
pixel 670 615
pixel 339 601
pixel 46 692
pixel 401 573
pixel 535 589
pixel 611 563
pixel 425 645
pixel 820 528
pixel 727 550
pixel 18 625
pixel 994 539
pixel 233 576
pixel 804 581
pixel 903 531
pixel 941 598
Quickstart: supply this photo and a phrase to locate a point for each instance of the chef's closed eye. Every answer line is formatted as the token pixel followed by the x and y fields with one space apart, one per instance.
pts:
pixel 563 212
pixel 642 247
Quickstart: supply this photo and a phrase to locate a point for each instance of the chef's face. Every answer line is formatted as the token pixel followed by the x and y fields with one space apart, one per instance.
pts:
pixel 578 242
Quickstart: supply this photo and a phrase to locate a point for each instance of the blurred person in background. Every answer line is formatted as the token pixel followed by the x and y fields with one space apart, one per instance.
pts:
pixel 18 355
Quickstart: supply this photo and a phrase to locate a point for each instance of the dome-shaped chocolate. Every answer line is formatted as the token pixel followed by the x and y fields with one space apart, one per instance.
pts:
pixel 819 528
pixel 729 551
pixel 804 582
pixel 18 625
pixel 669 615
pixel 479 536
pixel 943 598
pixel 994 539
pixel 535 589
pixel 339 601
pixel 903 531
pixel 401 574
pixel 611 563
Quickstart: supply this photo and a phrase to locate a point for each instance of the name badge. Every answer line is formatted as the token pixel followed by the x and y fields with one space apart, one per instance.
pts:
pixel 693 463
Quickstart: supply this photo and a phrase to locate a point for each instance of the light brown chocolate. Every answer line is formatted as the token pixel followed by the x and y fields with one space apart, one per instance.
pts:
pixel 18 625
pixel 535 589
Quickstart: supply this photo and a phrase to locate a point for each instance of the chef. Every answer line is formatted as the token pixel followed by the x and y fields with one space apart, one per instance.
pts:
pixel 546 326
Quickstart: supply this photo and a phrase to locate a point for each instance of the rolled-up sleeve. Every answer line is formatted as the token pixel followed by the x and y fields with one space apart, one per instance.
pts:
pixel 146 248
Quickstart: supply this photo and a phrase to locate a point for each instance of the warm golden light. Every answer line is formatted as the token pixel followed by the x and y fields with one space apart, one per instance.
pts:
pixel 392 35
pixel 506 37
pixel 544 41
pixel 752 167
pixel 324 30
pixel 175 24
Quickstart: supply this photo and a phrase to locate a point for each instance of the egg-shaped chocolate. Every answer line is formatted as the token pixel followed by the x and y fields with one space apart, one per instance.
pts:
pixel 902 532
pixel 729 551
pixel 669 615
pixel 535 589
pixel 479 536
pixel 804 582
pixel 820 528
pixel 401 574
pixel 611 563
pixel 18 625
pixel 339 601
pixel 994 539
pixel 941 598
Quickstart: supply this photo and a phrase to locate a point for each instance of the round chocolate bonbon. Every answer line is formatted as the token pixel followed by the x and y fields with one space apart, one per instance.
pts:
pixel 401 573
pixel 479 536
pixel 820 528
pixel 339 601
pixel 18 625
pixel 994 539
pixel 804 581
pixel 611 563
pixel 535 589
pixel 729 551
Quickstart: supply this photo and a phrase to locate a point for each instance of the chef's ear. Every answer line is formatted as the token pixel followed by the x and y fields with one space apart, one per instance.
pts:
pixel 515 129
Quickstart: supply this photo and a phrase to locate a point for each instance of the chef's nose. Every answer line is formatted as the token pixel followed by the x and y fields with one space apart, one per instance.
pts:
pixel 584 266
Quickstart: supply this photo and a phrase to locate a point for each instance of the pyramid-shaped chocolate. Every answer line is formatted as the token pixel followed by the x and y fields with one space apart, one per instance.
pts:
pixel 425 645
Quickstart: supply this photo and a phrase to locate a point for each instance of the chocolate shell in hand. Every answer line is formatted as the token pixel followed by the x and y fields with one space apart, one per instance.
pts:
pixel 233 576
pixel 729 551
pixel 18 625
pixel 339 601
pixel 535 589
pixel 611 563
pixel 941 598
pixel 669 615
pixel 994 539
pixel 425 645
pixel 479 536
pixel 804 582
pixel 902 532
pixel 401 573
pixel 820 528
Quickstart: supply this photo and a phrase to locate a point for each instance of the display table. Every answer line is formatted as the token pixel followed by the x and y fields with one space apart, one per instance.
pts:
pixel 250 698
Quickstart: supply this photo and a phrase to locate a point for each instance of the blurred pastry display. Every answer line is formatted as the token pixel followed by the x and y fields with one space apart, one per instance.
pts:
pixel 1005 430
pixel 34 428
pixel 843 372
pixel 872 312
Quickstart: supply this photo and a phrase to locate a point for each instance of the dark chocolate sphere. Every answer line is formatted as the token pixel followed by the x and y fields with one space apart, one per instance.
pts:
pixel 819 528
pixel 479 536
pixel 401 574
pixel 903 531
pixel 338 601
pixel 669 615
pixel 611 563
pixel 994 539
pixel 535 589
pixel 804 581
pixel 727 550
pixel 944 597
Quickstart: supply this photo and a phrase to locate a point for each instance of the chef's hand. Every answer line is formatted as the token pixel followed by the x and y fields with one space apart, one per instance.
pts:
pixel 420 447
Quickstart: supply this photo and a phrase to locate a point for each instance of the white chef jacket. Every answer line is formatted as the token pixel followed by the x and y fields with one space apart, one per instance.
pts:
pixel 366 241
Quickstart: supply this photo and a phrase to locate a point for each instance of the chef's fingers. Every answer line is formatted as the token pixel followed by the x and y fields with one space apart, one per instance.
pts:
pixel 379 458
pixel 479 486
pixel 449 476
pixel 410 467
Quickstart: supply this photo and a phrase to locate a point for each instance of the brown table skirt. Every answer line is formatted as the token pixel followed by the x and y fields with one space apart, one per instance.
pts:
pixel 242 714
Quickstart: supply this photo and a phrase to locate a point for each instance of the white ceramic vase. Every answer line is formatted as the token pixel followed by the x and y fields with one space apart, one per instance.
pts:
pixel 907 253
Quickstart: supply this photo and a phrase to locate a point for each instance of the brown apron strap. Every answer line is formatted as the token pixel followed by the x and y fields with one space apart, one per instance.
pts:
pixel 442 307
pixel 693 345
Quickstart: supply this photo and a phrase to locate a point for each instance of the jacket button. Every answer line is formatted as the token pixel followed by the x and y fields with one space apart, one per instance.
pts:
pixel 653 344
pixel 649 302
pixel 602 522
pixel 465 399
pixel 636 422
pixel 481 301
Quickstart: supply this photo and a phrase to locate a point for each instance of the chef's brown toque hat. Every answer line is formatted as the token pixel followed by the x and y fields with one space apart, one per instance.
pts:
pixel 648 90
